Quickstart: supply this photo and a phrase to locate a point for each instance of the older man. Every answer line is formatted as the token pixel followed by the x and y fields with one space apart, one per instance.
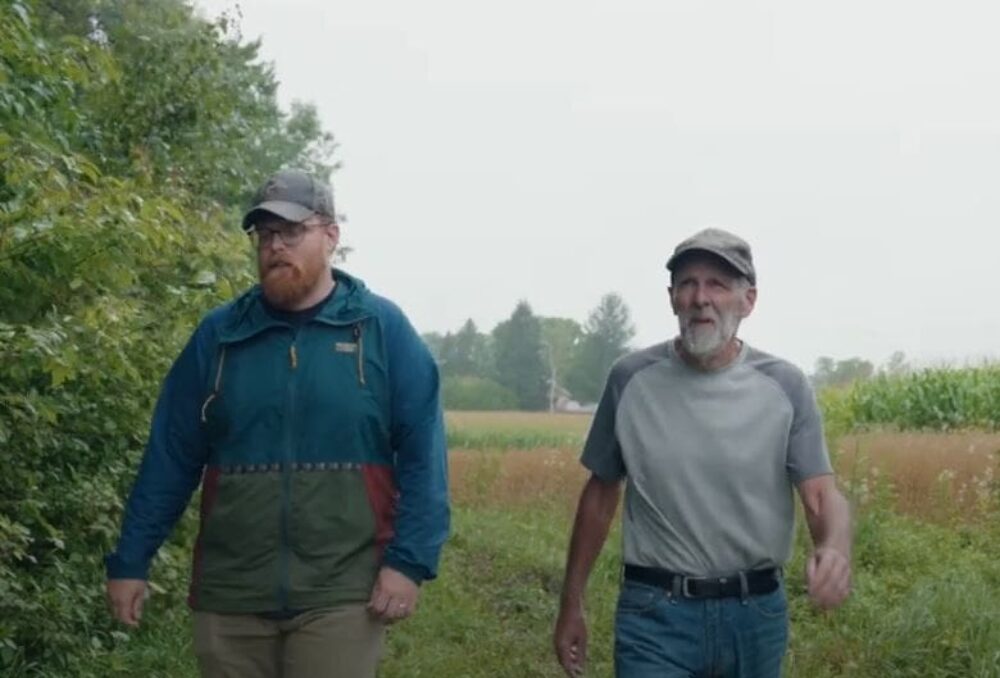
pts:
pixel 309 410
pixel 712 436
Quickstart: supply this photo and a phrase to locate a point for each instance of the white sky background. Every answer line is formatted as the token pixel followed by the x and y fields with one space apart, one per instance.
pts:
pixel 557 150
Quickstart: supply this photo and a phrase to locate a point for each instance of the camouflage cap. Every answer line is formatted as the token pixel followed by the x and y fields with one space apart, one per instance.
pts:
pixel 730 248
pixel 293 195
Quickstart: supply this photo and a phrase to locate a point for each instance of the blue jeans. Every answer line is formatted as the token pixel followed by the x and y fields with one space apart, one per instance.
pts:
pixel 660 636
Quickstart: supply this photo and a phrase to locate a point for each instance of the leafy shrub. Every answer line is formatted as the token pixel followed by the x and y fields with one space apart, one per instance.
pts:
pixel 111 246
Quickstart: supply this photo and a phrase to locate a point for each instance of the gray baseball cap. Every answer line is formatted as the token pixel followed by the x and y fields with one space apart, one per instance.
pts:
pixel 732 249
pixel 293 195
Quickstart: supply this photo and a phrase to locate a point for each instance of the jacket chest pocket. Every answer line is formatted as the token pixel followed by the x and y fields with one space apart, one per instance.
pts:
pixel 352 346
pixel 341 383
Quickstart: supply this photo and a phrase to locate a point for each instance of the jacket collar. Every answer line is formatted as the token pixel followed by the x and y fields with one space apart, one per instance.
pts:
pixel 350 303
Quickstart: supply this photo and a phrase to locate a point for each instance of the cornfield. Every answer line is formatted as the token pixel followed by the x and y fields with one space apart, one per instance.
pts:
pixel 929 400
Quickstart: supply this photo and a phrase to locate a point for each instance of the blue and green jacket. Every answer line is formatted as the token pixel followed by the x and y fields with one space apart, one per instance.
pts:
pixel 321 453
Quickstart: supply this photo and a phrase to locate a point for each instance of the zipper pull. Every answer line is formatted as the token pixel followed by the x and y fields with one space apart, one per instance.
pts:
pixel 293 356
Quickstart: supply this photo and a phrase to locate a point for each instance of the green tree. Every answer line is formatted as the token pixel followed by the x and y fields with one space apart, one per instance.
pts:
pixel 129 134
pixel 466 353
pixel 434 341
pixel 184 101
pixel 519 357
pixel 608 330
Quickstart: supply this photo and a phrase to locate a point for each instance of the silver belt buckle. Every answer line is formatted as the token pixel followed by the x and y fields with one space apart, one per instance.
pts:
pixel 721 581
pixel 684 585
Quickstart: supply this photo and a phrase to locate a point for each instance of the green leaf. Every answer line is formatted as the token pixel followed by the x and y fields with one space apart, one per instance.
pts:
pixel 22 13
pixel 204 279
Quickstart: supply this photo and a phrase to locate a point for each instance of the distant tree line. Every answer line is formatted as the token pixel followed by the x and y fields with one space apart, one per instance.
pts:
pixel 830 373
pixel 531 362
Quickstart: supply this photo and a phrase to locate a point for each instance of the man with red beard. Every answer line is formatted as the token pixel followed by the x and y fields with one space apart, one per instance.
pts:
pixel 712 436
pixel 309 410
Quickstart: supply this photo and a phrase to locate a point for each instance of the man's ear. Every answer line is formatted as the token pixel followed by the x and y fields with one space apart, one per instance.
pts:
pixel 333 237
pixel 749 301
pixel 670 294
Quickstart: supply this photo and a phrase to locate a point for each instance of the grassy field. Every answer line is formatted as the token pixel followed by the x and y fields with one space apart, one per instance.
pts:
pixel 927 565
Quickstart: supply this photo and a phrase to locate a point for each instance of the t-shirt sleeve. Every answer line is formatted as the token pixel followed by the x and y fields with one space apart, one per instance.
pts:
pixel 602 454
pixel 807 451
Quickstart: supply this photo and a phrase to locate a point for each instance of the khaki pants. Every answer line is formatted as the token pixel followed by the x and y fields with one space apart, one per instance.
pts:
pixel 341 642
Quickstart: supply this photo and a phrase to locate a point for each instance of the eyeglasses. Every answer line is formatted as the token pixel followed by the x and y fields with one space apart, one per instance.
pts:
pixel 290 234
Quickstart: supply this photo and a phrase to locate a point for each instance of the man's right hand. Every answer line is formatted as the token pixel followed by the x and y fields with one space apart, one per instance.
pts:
pixel 126 597
pixel 594 513
pixel 571 639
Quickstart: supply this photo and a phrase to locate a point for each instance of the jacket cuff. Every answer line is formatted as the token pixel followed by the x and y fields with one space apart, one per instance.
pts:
pixel 416 573
pixel 121 569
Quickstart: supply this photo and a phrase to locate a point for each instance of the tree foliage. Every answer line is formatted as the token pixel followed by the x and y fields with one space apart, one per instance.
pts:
pixel 607 332
pixel 562 338
pixel 130 135
pixel 466 353
pixel 519 359
pixel 464 392
pixel 536 358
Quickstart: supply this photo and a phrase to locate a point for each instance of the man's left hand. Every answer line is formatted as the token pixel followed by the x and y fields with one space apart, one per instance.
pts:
pixel 394 596
pixel 828 577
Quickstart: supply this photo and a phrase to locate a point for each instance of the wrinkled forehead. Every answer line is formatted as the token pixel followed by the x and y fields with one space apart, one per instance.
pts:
pixel 701 261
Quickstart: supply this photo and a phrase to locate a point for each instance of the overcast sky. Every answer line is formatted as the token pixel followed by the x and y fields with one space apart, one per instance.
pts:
pixel 557 150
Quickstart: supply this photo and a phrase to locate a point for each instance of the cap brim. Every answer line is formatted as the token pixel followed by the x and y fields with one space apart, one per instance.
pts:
pixel 288 211
pixel 672 261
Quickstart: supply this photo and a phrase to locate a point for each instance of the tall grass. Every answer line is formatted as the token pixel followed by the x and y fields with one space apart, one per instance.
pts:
pixel 938 477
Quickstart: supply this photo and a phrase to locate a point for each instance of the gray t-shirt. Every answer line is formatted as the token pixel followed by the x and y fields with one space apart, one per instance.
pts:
pixel 710 458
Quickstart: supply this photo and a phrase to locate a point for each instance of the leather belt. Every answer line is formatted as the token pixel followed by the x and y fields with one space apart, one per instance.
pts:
pixel 757 582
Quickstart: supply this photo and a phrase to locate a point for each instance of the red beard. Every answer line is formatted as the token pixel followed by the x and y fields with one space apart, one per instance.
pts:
pixel 287 283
